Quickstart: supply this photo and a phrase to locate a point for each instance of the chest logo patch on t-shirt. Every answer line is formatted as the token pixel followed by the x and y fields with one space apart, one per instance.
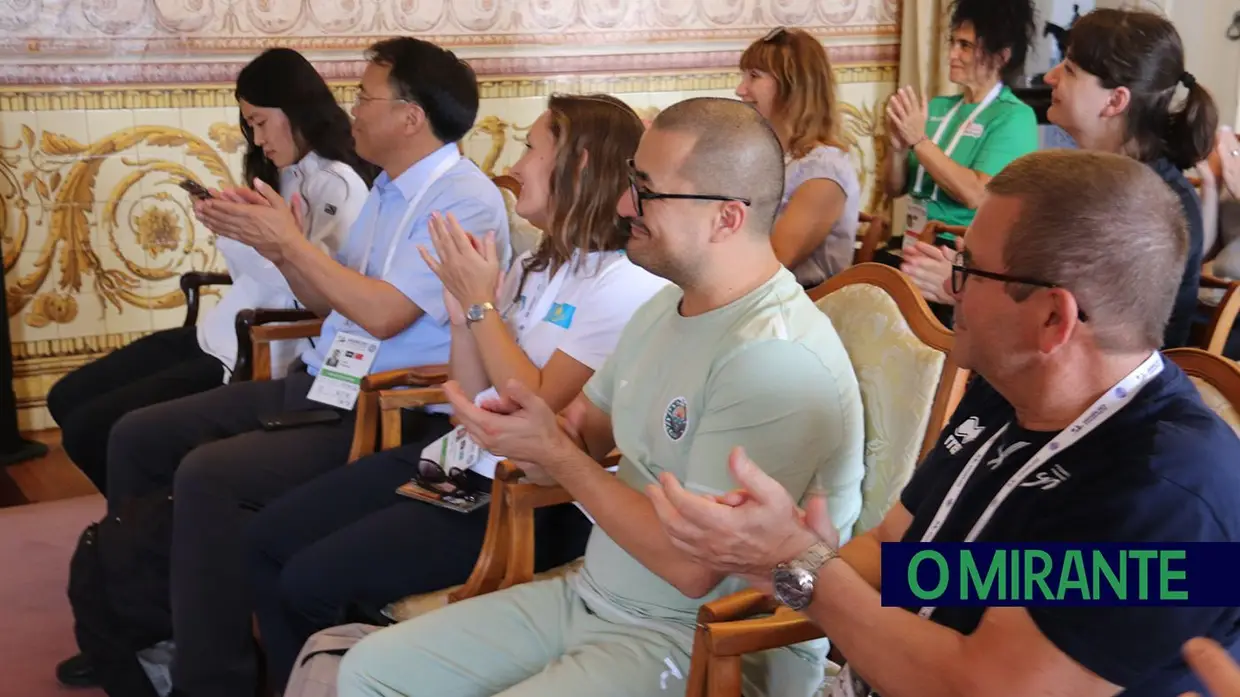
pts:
pixel 966 433
pixel 975 130
pixel 561 315
pixel 676 418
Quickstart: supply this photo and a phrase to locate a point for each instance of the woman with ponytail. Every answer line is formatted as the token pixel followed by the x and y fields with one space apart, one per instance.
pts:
pixel 1116 91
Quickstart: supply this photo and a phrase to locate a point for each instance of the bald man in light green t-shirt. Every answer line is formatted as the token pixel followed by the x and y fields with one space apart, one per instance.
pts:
pixel 735 354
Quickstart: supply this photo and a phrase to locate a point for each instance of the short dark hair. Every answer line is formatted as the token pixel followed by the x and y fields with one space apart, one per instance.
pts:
pixel 735 153
pixel 433 78
pixel 1105 227
pixel 1000 25
pixel 1142 51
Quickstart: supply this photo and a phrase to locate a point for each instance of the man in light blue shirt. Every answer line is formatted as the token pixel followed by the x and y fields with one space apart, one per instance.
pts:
pixel 462 191
pixel 415 102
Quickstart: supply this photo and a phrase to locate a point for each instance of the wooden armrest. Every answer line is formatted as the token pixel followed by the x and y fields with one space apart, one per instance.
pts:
pixel 418 376
pixel 391 400
pixel 191 282
pixel 740 605
pixel 304 329
pixel 508 472
pixel 1211 281
pixel 736 638
pixel 197 279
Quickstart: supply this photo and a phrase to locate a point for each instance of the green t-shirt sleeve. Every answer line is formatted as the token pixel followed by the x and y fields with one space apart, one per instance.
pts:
pixel 770 399
pixel 1009 136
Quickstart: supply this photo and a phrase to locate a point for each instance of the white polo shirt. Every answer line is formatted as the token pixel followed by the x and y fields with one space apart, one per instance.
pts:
pixel 332 195
pixel 581 310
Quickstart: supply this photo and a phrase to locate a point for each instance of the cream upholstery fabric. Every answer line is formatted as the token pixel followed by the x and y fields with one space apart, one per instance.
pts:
pixel 1218 403
pixel 898 375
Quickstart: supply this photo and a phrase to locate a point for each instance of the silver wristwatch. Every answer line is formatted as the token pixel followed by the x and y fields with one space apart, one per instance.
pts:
pixel 794 580
pixel 475 313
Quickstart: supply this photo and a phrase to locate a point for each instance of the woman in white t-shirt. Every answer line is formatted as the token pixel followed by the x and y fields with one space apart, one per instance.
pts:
pixel 348 539
pixel 299 142
pixel 786 76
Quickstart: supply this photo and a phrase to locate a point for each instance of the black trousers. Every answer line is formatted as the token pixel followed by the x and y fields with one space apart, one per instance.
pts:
pixel 348 541
pixel 223 468
pixel 159 367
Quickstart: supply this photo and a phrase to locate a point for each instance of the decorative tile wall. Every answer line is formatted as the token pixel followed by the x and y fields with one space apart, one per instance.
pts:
pixel 105 104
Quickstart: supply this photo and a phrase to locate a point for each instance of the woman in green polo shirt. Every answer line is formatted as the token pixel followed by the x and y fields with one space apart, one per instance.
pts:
pixel 942 152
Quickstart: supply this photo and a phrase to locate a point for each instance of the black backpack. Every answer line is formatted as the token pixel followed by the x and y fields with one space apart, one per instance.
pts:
pixel 119 591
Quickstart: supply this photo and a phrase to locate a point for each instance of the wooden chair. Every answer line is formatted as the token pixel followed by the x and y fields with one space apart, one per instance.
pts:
pixel 192 283
pixel 877 230
pixel 507 555
pixel 1216 378
pixel 902 357
pixel 1212 337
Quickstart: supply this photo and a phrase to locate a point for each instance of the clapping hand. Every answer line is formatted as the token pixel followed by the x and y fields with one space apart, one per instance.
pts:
pixel 746 532
pixel 1214 666
pixel 929 267
pixel 469 270
pixel 1228 149
pixel 259 218
pixel 906 118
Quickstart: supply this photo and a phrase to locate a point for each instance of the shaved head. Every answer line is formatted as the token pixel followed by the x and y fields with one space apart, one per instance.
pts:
pixel 735 153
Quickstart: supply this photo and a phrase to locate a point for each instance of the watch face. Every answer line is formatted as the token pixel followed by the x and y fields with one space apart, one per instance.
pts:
pixel 794 586
pixel 475 312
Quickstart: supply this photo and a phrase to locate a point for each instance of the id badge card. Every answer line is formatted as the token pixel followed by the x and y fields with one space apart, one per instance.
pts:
pixel 348 360
pixel 457 451
pixel 915 222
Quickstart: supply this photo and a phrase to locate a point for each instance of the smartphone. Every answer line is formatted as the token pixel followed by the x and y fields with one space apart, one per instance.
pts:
pixel 297 419
pixel 195 189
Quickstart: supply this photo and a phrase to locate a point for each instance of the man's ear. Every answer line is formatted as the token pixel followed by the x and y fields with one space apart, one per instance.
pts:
pixel 730 221
pixel 416 118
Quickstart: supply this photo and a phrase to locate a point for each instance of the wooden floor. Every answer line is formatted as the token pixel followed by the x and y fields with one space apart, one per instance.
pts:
pixel 48 478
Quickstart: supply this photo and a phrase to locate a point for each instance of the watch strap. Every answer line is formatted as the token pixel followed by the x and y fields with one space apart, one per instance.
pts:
pixel 815 557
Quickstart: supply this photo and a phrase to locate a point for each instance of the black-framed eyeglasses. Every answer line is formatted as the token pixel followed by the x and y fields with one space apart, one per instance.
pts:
pixel 638 195
pixel 961 272
pixel 453 483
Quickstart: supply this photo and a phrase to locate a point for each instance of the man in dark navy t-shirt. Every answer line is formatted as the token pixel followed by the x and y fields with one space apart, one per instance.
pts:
pixel 1075 429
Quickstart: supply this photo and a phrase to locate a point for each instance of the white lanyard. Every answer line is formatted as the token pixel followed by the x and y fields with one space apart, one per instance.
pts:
pixel 938 135
pixel 529 315
pixel 1116 398
pixel 410 210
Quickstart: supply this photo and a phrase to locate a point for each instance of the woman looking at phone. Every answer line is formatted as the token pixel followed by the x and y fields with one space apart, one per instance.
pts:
pixel 347 538
pixel 299 141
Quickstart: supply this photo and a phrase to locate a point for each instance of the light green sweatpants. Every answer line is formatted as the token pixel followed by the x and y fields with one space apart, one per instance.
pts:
pixel 533 640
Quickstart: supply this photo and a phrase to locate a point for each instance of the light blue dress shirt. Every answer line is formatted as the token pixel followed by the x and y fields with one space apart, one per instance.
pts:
pixel 463 191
